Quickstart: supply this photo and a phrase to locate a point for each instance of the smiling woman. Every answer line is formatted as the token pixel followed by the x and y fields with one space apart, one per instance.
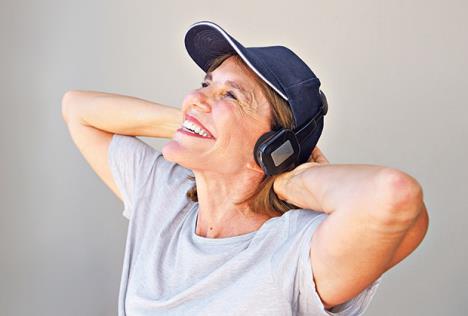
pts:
pixel 263 199
pixel 240 213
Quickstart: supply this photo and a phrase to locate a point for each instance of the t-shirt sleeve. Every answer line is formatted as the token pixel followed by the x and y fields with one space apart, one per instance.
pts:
pixel 293 271
pixel 132 162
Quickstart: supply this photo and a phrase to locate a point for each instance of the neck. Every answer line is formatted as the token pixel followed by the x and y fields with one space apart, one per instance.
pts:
pixel 218 214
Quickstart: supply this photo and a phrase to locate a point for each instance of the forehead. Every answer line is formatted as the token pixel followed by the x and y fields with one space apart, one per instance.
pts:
pixel 234 73
pixel 234 68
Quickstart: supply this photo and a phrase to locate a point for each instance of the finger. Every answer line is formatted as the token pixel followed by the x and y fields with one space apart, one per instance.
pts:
pixel 318 156
pixel 312 156
pixel 316 153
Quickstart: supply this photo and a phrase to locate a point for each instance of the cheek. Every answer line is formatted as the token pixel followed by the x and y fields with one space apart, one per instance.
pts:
pixel 224 117
pixel 223 108
pixel 246 138
pixel 237 130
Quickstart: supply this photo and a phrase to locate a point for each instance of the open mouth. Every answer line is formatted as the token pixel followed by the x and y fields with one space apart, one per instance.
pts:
pixel 189 132
pixel 192 127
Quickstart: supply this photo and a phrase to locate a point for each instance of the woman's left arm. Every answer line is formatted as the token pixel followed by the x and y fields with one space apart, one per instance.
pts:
pixel 377 217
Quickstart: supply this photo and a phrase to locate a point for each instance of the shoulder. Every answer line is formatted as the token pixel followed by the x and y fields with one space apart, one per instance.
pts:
pixel 145 159
pixel 304 219
pixel 296 226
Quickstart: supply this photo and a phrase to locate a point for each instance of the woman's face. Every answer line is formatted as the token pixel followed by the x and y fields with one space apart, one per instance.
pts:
pixel 232 110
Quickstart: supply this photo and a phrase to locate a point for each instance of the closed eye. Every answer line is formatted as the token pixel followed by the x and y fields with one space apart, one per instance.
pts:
pixel 228 93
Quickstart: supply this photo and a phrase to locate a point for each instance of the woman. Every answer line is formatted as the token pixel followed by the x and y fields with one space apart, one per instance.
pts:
pixel 241 213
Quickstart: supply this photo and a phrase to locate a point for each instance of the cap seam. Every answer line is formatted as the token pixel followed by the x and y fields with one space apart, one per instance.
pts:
pixel 303 81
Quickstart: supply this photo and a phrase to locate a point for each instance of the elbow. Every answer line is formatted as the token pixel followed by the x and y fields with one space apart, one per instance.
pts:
pixel 69 104
pixel 66 104
pixel 403 197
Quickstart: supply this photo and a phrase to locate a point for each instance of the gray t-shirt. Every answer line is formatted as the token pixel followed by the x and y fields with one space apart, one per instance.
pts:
pixel 170 270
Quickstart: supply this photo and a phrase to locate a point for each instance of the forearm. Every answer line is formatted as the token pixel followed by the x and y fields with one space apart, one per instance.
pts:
pixel 121 114
pixel 331 187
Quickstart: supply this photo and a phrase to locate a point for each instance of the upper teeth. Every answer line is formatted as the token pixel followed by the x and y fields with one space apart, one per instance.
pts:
pixel 197 129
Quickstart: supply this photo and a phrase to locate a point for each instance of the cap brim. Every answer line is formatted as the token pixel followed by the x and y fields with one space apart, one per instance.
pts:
pixel 206 40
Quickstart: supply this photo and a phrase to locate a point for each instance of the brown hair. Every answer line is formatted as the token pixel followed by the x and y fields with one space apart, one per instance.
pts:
pixel 263 200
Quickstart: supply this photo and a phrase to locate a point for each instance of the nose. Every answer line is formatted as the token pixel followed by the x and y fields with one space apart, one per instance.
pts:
pixel 198 100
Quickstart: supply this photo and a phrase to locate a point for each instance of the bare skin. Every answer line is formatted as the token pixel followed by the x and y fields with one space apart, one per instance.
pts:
pixel 346 254
pixel 377 215
pixel 224 168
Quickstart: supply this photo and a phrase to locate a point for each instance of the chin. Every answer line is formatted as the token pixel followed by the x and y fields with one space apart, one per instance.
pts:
pixel 177 153
pixel 172 151
pixel 189 158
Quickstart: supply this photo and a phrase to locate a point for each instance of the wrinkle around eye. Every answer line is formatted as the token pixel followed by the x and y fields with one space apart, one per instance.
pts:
pixel 249 110
pixel 252 103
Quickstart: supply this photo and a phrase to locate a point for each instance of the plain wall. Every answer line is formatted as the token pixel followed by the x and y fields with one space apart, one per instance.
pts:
pixel 394 73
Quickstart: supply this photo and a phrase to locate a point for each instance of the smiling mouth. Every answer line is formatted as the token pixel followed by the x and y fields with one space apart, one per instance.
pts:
pixel 189 132
pixel 192 127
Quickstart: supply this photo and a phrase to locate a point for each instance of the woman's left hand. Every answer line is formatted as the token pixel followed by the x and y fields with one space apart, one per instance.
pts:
pixel 283 180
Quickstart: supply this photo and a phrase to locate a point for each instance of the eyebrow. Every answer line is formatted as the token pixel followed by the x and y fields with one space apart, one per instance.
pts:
pixel 235 85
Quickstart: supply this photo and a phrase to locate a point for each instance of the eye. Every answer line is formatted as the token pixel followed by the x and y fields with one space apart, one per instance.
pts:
pixel 230 94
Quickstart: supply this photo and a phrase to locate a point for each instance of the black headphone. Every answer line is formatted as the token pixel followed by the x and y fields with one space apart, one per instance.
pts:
pixel 278 150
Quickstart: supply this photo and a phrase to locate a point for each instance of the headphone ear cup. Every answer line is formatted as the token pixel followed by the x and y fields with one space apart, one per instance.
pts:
pixel 324 103
pixel 262 139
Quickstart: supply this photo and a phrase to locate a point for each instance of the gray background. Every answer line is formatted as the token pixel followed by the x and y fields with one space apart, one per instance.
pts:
pixel 394 73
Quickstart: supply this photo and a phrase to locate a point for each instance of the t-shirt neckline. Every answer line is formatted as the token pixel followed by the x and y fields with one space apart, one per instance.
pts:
pixel 218 241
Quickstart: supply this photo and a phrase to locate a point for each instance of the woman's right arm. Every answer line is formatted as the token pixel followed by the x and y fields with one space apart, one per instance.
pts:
pixel 120 114
pixel 93 118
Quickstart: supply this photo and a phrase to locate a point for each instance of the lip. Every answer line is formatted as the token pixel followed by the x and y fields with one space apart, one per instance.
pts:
pixel 183 131
pixel 197 122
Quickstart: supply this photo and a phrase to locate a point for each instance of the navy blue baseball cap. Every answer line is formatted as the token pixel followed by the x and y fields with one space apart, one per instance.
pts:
pixel 277 66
